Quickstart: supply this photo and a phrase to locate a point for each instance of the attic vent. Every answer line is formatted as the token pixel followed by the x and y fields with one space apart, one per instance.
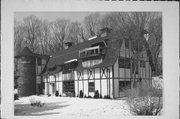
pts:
pixel 92 38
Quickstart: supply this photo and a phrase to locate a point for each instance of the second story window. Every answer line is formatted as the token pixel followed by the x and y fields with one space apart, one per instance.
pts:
pixel 91 51
pixel 91 86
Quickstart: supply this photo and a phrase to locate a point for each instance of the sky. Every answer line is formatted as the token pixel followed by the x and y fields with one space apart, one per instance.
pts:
pixel 52 16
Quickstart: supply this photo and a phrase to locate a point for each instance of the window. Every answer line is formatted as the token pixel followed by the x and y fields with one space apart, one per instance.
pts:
pixel 124 85
pixel 68 86
pixel 91 51
pixel 91 87
pixel 96 51
pixel 124 62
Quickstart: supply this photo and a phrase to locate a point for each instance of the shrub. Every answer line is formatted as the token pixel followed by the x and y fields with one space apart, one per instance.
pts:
pixel 96 94
pixel 16 97
pixel 57 93
pixel 89 96
pixel 81 94
pixel 70 94
pixel 107 97
pixel 145 101
pixel 36 102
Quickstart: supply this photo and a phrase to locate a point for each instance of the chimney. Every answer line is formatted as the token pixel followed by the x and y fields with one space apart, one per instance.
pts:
pixel 68 45
pixel 105 32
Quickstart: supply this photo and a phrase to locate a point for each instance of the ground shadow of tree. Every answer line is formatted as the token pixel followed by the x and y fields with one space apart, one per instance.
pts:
pixel 28 110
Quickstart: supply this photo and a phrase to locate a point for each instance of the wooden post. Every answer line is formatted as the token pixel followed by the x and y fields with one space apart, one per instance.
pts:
pixel 100 82
pixel 109 82
pixel 55 82
pixel 113 80
pixel 83 80
pixel 78 77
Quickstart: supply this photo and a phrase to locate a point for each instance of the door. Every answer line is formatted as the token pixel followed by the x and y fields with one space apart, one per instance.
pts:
pixel 68 88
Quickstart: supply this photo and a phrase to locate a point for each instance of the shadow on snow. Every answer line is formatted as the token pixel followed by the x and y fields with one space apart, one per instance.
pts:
pixel 28 110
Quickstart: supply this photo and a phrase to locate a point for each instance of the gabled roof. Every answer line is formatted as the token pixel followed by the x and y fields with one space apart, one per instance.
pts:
pixel 60 57
pixel 25 52
pixel 71 53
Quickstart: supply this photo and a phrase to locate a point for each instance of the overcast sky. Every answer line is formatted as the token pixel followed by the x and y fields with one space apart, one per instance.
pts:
pixel 51 16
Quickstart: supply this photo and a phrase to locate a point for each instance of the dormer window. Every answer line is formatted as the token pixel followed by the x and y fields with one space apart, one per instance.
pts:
pixel 88 52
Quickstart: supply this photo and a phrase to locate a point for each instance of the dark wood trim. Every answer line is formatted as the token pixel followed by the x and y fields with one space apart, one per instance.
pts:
pixel 78 75
pixel 113 81
pixel 115 78
pixel 109 83
pixel 55 82
pixel 100 82
pixel 107 86
pixel 83 81
pixel 94 78
pixel 88 81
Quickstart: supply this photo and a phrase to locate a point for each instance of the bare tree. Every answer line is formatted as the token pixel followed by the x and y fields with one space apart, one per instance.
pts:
pixel 19 35
pixel 133 26
pixel 59 30
pixel 145 21
pixel 31 28
pixel 76 32
pixel 44 37
pixel 155 43
pixel 92 24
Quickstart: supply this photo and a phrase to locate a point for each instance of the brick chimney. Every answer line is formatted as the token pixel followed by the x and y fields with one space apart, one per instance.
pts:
pixel 68 45
pixel 105 32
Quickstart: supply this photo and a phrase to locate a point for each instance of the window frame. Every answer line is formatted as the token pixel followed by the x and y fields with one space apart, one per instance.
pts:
pixel 91 88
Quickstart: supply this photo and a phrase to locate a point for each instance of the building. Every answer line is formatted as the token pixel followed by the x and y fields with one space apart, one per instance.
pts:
pixel 28 67
pixel 104 63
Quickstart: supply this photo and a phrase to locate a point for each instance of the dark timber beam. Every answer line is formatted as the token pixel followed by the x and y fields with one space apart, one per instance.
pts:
pixel 113 80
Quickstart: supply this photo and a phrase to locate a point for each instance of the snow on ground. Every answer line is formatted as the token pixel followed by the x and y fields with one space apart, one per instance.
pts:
pixel 72 106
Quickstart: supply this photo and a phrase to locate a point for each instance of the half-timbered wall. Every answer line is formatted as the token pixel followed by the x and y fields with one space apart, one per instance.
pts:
pixel 101 77
pixel 124 77
pixel 109 81
pixel 40 64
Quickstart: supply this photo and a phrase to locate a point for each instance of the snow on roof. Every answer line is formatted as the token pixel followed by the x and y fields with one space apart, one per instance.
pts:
pixel 92 37
pixel 70 61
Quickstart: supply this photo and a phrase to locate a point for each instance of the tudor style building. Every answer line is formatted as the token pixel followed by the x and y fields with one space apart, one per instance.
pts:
pixel 105 63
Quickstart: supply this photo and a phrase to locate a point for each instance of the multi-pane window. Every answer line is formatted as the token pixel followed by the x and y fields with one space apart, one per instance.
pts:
pixel 124 62
pixel 68 86
pixel 89 51
pixel 91 86
pixel 124 85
